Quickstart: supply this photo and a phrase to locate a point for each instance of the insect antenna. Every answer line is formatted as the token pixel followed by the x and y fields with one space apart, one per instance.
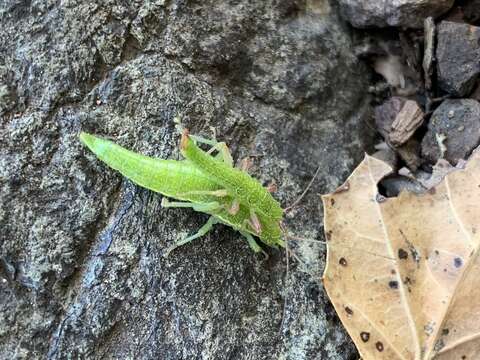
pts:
pixel 288 253
pixel 287 236
pixel 287 261
pixel 297 201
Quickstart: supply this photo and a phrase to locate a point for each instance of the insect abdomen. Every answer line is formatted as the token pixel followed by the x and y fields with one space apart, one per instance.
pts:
pixel 168 177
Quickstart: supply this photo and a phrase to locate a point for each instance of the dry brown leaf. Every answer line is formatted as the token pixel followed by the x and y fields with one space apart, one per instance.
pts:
pixel 404 273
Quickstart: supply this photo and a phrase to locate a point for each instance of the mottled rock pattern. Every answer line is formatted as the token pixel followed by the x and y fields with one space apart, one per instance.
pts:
pixel 82 272
pixel 454 129
pixel 384 13
pixel 458 57
pixel 386 113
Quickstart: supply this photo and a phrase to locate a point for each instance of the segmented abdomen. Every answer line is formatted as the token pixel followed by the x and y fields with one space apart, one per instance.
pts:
pixel 168 177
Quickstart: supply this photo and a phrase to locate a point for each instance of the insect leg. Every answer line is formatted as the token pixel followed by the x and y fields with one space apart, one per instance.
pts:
pixel 221 147
pixel 245 164
pixel 249 225
pixel 211 206
pixel 234 207
pixel 199 139
pixel 223 153
pixel 202 231
pixel 255 222
pixel 219 193
pixel 253 244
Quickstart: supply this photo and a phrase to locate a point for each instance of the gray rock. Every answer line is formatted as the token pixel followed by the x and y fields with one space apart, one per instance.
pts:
pixel 410 153
pixel 453 132
pixel 458 57
pixel 471 10
pixel 386 113
pixel 82 272
pixel 387 155
pixel 384 13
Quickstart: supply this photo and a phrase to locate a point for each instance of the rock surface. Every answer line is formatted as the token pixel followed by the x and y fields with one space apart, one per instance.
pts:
pixel 458 57
pixel 471 10
pixel 386 114
pixel 82 272
pixel 453 131
pixel 384 13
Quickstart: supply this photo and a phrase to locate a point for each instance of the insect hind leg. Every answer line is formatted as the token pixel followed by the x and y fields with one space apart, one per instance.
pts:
pixel 202 231
pixel 211 206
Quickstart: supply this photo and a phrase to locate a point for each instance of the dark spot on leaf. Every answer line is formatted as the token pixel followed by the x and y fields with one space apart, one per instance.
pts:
pixel 437 252
pixel 457 262
pixel 348 311
pixel 445 332
pixel 379 346
pixel 393 284
pixel 439 345
pixel 432 191
pixel 393 272
pixel 365 336
pixel 474 230
pixel 464 357
pixel 332 202
pixel 343 261
pixel 402 254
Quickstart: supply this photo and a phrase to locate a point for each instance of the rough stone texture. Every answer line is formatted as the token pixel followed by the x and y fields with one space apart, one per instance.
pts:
pixel 82 272
pixel 471 10
pixel 458 57
pixel 455 124
pixel 386 113
pixel 384 13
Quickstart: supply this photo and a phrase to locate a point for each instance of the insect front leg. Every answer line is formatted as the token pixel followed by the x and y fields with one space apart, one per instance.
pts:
pixel 254 222
pixel 202 231
pixel 253 244
pixel 223 153
pixel 234 207
pixel 222 148
pixel 245 164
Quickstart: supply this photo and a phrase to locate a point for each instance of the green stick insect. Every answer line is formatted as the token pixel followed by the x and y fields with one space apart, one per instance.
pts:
pixel 203 182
